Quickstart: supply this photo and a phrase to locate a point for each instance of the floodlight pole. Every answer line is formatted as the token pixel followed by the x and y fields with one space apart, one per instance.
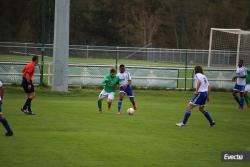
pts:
pixel 61 46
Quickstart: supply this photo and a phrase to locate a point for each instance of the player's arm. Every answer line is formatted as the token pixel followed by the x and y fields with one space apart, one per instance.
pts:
pixel 208 93
pixel 27 76
pixel 1 92
pixel 105 81
pixel 198 85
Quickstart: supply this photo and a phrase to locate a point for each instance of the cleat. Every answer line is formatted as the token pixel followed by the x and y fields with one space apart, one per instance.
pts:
pixel 212 124
pixel 248 105
pixel 118 113
pixel 9 134
pixel 180 124
pixel 23 110
pixel 30 113
pixel 134 107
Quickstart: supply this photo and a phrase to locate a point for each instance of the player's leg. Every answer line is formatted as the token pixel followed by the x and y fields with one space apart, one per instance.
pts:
pixel 122 93
pixel 30 92
pixel 188 111
pixel 241 100
pixel 235 91
pixel 102 95
pixel 111 97
pixel 206 114
pixel 31 97
pixel 129 92
pixel 246 97
pixel 5 123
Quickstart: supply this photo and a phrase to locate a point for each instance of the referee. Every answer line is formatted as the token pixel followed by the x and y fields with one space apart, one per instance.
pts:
pixel 28 87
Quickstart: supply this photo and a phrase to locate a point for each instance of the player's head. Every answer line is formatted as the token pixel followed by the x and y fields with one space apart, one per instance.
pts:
pixel 122 68
pixel 35 59
pixel 198 69
pixel 240 63
pixel 112 73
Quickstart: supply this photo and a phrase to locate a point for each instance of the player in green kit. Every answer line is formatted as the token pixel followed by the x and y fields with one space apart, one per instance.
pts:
pixel 109 83
pixel 247 89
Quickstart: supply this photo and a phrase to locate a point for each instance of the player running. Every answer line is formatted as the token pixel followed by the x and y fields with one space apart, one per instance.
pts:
pixel 125 81
pixel 110 83
pixel 2 118
pixel 247 89
pixel 28 72
pixel 201 95
pixel 239 87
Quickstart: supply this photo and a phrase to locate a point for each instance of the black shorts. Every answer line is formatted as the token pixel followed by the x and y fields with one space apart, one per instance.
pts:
pixel 25 86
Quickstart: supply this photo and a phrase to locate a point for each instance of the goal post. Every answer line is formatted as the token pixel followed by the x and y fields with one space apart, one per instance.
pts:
pixel 228 46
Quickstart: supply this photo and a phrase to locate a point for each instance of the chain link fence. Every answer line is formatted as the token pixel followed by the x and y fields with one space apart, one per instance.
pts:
pixel 149 67
pixel 126 55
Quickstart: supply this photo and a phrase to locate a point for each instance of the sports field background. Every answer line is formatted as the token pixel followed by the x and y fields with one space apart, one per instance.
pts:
pixel 67 131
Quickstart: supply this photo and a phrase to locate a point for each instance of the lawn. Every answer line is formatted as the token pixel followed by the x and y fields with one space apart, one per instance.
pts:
pixel 67 131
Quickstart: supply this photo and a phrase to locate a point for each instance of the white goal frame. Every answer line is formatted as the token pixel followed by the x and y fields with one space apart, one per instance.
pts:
pixel 239 32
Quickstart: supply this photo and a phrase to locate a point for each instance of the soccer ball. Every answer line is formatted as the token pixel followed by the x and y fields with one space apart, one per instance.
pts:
pixel 130 111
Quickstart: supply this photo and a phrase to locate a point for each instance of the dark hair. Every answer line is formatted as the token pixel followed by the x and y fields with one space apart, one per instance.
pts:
pixel 122 66
pixel 112 70
pixel 34 58
pixel 198 69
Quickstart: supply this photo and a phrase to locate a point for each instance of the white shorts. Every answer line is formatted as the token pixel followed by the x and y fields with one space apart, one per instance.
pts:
pixel 247 88
pixel 104 94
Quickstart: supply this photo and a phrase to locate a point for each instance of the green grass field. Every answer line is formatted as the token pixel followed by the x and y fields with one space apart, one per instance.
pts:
pixel 67 131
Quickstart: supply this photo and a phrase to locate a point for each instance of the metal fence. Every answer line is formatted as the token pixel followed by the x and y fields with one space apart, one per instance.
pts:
pixel 144 77
pixel 129 55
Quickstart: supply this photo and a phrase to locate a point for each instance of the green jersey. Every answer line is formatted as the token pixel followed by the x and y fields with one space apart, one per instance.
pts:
pixel 248 77
pixel 110 83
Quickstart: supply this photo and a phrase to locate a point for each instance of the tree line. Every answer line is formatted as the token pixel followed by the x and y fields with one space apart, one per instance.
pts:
pixel 155 23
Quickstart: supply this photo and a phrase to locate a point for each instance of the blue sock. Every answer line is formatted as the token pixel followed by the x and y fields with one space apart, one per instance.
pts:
pixel 241 102
pixel 6 125
pixel 206 114
pixel 187 115
pixel 237 99
pixel 119 105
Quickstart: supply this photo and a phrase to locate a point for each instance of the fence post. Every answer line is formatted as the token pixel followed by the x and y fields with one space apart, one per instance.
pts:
pixel 186 70
pixel 25 49
pixel 87 50
pixel 117 57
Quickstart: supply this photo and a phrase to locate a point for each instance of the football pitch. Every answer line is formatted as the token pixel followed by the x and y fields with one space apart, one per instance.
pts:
pixel 67 131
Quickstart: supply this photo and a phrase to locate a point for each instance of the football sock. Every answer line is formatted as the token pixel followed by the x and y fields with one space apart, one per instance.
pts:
pixel 237 99
pixel 241 102
pixel 187 115
pixel 119 105
pixel 100 105
pixel 206 114
pixel 5 125
pixel 109 105
pixel 27 104
pixel 246 97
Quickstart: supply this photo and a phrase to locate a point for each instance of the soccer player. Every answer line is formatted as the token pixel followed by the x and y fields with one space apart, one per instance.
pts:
pixel 109 82
pixel 125 81
pixel 201 95
pixel 28 72
pixel 2 118
pixel 240 84
pixel 247 89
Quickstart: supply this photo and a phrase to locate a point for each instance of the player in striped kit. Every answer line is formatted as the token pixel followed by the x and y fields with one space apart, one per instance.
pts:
pixel 240 84
pixel 125 82
pixel 201 95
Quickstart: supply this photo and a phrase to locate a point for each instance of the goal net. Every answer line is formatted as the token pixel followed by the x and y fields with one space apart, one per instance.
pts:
pixel 228 46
